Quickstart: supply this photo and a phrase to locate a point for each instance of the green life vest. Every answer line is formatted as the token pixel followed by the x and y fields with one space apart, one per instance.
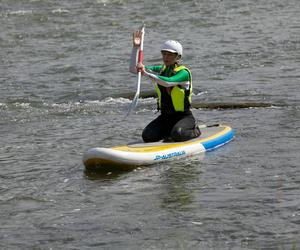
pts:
pixel 174 99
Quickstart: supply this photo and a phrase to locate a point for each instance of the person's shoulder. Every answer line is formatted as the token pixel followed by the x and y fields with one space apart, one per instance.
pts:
pixel 182 68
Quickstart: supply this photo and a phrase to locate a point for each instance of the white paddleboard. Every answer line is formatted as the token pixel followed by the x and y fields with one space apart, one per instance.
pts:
pixel 139 154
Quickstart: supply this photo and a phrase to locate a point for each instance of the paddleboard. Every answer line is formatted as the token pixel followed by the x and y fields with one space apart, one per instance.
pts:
pixel 139 154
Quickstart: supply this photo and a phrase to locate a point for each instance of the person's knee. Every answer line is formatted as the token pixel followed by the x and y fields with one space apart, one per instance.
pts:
pixel 148 135
pixel 176 134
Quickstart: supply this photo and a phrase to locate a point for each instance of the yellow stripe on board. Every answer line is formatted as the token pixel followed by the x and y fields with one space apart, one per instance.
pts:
pixel 154 148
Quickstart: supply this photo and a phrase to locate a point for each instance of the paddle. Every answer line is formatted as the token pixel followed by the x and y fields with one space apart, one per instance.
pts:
pixel 139 74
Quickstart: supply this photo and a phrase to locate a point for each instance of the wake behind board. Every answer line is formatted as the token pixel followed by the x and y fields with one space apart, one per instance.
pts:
pixel 136 154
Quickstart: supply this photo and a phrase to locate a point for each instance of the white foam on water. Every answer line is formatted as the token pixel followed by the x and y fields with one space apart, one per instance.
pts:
pixel 197 223
pixel 24 105
pixel 60 11
pixel 3 105
pixel 19 12
pixel 120 100
pixel 104 2
pixel 200 93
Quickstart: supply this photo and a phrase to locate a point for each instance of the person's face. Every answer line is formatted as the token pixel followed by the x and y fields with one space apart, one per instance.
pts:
pixel 169 58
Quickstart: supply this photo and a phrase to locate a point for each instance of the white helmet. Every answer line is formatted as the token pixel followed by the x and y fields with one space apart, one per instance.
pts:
pixel 172 46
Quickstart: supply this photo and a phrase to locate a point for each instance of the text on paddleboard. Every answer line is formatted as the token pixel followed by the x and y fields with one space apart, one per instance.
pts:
pixel 168 156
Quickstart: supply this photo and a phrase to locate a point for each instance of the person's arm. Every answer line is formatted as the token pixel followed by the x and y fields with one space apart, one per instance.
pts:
pixel 136 40
pixel 181 78
pixel 133 59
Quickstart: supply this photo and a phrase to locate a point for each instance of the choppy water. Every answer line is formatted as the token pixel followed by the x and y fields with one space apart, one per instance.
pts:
pixel 60 61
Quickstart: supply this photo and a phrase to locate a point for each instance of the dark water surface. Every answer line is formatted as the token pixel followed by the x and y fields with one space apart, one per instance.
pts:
pixel 60 61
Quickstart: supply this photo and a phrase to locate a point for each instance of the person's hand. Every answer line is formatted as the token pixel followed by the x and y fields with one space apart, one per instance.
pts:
pixel 140 68
pixel 137 38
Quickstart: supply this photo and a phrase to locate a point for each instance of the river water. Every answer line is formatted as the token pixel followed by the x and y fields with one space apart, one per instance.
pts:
pixel 63 82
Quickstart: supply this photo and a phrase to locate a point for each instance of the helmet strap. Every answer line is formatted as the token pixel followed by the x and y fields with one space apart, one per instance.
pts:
pixel 178 57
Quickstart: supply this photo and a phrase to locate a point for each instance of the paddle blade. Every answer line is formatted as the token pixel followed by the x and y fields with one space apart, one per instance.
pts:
pixel 133 105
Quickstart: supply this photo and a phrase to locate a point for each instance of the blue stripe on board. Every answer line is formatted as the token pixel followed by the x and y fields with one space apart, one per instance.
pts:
pixel 216 142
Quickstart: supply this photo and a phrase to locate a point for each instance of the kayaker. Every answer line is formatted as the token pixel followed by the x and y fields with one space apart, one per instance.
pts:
pixel 173 85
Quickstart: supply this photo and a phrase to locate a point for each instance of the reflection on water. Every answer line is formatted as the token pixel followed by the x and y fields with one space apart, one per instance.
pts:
pixel 177 194
pixel 106 173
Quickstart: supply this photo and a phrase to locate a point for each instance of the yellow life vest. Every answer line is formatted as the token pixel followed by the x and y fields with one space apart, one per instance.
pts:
pixel 180 98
